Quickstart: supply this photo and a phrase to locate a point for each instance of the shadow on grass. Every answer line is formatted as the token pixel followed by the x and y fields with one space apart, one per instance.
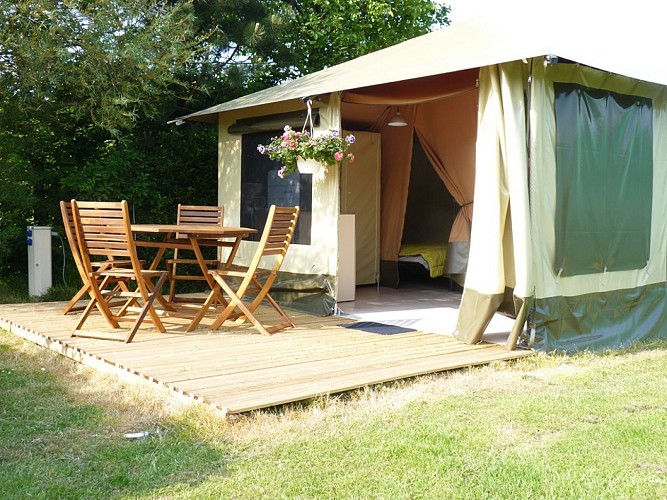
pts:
pixel 55 442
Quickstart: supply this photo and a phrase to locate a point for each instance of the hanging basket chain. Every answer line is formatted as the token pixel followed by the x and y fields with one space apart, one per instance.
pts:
pixel 309 118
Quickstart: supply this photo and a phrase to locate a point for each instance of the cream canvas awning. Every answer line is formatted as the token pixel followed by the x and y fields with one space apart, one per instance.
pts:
pixel 598 36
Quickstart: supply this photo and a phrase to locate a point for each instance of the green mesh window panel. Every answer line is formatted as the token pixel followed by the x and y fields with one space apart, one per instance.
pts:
pixel 604 180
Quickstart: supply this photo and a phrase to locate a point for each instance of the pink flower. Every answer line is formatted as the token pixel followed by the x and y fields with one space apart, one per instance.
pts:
pixel 292 144
pixel 338 156
pixel 351 159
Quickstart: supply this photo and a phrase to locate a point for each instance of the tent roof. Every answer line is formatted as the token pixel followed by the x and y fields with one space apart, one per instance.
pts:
pixel 607 42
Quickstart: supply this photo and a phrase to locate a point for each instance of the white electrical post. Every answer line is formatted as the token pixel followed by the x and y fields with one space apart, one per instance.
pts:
pixel 39 259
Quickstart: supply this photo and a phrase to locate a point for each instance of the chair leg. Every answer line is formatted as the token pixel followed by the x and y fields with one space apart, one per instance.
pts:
pixel 287 322
pixel 263 294
pixel 97 300
pixel 70 306
pixel 212 297
pixel 267 296
pixel 248 311
pixel 159 297
pixel 148 308
pixel 236 302
pixel 171 272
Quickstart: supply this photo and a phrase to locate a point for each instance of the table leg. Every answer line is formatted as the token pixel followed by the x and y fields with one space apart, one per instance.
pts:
pixel 211 283
pixel 160 253
pixel 232 253
pixel 154 265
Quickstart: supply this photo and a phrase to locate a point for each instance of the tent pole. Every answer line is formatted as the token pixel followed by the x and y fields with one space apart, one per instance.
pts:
pixel 510 345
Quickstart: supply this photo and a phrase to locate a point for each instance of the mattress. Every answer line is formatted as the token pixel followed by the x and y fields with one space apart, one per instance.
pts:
pixel 430 255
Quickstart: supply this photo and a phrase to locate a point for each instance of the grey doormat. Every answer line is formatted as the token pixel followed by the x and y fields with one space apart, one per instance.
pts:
pixel 377 328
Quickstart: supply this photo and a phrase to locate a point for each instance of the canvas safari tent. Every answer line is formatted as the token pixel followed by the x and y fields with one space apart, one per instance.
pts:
pixel 550 137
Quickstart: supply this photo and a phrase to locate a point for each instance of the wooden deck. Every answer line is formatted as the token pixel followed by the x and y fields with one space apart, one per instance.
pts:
pixel 240 370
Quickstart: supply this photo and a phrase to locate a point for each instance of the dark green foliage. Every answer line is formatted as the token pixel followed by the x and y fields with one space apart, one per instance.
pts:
pixel 87 87
pixel 108 63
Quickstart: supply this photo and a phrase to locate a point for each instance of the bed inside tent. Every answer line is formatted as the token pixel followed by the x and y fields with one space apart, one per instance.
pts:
pixel 429 217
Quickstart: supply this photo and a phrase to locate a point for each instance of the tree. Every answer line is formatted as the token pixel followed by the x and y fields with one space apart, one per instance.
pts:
pixel 322 33
pixel 74 77
pixel 107 62
pixel 87 86
pixel 255 44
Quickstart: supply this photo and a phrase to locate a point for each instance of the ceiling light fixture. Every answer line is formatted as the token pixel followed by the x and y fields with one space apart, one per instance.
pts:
pixel 397 120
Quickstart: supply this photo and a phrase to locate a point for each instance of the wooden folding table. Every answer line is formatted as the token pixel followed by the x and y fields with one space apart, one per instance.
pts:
pixel 194 236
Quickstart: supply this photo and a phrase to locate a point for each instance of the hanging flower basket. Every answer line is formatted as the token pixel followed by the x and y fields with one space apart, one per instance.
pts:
pixel 309 166
pixel 327 149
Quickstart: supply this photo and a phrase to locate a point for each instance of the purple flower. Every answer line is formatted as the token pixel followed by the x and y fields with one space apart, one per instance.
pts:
pixel 261 149
pixel 350 139
pixel 335 133
pixel 281 172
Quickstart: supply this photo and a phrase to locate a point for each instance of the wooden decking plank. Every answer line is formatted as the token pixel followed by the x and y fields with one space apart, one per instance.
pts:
pixel 201 349
pixel 263 354
pixel 314 370
pixel 145 337
pixel 259 352
pixel 238 369
pixel 345 379
pixel 272 361
pixel 248 398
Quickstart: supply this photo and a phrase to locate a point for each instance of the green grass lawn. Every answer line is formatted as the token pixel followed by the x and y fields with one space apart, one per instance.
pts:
pixel 14 289
pixel 588 426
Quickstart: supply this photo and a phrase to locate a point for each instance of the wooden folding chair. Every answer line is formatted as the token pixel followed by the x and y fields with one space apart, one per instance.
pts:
pixel 194 214
pixel 103 231
pixel 276 239
pixel 70 232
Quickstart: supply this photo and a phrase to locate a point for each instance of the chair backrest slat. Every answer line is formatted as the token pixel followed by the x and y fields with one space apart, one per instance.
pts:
pixel 103 230
pixel 200 214
pixel 276 238
pixel 278 232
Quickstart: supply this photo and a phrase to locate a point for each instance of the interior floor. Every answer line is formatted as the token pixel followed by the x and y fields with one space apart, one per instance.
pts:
pixel 428 306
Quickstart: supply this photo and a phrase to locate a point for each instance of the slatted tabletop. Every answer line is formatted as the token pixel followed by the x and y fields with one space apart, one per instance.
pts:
pixel 237 370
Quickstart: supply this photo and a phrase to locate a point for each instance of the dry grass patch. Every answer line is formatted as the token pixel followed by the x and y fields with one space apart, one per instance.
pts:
pixel 547 426
pixel 293 421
